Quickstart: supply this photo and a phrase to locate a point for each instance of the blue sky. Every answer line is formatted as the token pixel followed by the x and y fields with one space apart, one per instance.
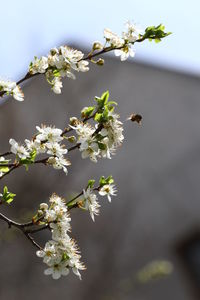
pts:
pixel 31 28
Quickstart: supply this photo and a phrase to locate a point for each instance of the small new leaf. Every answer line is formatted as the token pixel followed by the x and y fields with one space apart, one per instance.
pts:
pixel 91 183
pixel 155 33
pixel 29 160
pixel 7 196
pixel 108 180
pixel 87 112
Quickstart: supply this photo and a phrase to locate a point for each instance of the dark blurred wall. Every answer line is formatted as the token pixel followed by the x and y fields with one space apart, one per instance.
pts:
pixel 157 172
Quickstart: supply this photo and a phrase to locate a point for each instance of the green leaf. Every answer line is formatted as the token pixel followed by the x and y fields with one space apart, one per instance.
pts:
pixel 105 97
pixel 102 100
pixel 102 181
pixel 98 117
pixel 108 180
pixel 112 102
pixel 4 169
pixel 87 112
pixel 29 160
pixel 91 183
pixel 7 196
pixel 156 33
pixel 5 190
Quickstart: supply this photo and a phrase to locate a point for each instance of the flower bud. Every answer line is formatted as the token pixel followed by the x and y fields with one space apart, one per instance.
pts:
pixel 100 62
pixel 73 121
pixel 97 46
pixel 71 139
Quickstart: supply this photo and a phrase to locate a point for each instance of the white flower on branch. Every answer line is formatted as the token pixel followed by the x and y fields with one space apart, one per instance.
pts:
pixel 39 65
pixel 12 89
pixel 47 140
pixel 125 52
pixel 113 38
pixel 19 150
pixel 55 149
pixel 70 55
pixel 82 66
pixel 132 34
pixel 90 202
pixel 113 130
pixel 90 148
pixel 18 94
pixel 61 253
pixel 50 134
pixel 57 85
pixel 35 145
pixel 104 143
pixel 59 163
pixel 108 190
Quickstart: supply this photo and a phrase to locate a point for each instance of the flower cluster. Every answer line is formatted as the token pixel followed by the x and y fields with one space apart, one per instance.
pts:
pixel 104 143
pixel 123 44
pixel 11 88
pixel 60 62
pixel 90 200
pixel 47 140
pixel 99 141
pixel 61 253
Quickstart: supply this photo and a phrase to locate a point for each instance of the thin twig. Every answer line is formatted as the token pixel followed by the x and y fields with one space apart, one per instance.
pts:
pixel 21 227
pixel 6 154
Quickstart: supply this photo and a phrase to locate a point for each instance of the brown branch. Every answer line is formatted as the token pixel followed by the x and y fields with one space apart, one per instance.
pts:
pixel 22 228
pixel 6 154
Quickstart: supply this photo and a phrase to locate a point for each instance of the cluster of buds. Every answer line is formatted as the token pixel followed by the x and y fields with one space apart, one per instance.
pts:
pixel 60 254
pixel 11 88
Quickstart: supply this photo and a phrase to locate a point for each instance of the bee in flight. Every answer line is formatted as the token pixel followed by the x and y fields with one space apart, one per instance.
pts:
pixel 135 118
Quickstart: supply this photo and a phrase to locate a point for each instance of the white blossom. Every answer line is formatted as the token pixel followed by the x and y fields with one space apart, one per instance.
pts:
pixel 35 145
pixel 60 254
pixel 57 270
pixel 93 147
pixel 11 88
pixel 133 32
pixel 19 150
pixel 90 202
pixel 50 134
pixel 47 140
pixel 108 190
pixel 39 65
pixel 82 66
pixel 57 85
pixel 55 149
pixel 59 163
pixel 18 94
pixel 113 38
pixel 125 52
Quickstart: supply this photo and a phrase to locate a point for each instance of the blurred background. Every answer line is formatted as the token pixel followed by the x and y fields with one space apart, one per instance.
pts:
pixel 156 213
